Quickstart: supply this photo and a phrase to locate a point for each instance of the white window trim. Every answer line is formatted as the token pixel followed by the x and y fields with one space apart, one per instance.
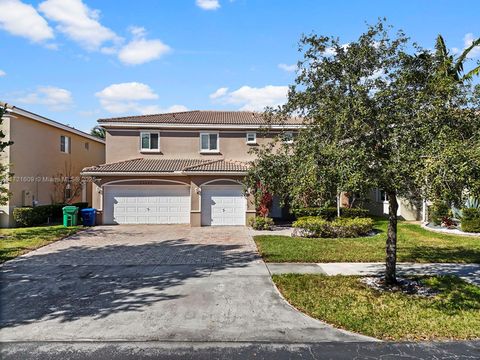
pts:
pixel 291 138
pixel 254 141
pixel 68 145
pixel 149 150
pixel 378 196
pixel 207 151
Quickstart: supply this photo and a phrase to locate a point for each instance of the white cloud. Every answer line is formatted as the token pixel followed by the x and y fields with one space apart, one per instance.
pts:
pixel 2 73
pixel 139 51
pixel 54 98
pixel 23 20
pixel 79 22
pixel 138 31
pixel 254 99
pixel 219 93
pixel 288 68
pixel 130 97
pixel 208 4
pixel 467 41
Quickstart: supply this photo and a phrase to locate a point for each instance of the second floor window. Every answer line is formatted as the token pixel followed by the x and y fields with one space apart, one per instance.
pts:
pixel 251 138
pixel 149 141
pixel 65 144
pixel 209 142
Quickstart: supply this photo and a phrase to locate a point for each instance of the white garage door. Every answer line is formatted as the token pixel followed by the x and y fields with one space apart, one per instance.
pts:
pixel 147 204
pixel 223 205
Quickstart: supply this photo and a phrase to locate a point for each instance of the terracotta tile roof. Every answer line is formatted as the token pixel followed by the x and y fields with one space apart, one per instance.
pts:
pixel 168 166
pixel 219 165
pixel 199 117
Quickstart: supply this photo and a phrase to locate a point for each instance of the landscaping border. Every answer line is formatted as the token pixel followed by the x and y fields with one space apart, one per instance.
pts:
pixel 449 231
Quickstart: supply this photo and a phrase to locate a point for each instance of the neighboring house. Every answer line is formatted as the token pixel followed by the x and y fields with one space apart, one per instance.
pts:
pixel 46 159
pixel 184 168
pixel 407 209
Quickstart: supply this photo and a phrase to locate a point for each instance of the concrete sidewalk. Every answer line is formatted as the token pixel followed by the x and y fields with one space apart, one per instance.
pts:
pixel 468 272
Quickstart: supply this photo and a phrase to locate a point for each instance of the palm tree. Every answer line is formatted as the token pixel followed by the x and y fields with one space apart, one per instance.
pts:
pixel 98 131
pixel 452 66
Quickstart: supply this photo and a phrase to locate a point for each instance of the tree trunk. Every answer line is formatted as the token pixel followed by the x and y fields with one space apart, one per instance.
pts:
pixel 391 248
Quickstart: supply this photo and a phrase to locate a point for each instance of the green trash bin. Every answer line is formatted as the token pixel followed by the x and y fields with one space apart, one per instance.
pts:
pixel 70 216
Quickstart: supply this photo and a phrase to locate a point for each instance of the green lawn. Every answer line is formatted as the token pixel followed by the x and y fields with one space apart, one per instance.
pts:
pixel 345 302
pixel 414 244
pixel 15 242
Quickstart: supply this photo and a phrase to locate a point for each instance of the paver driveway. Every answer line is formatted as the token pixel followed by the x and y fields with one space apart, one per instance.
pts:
pixel 142 283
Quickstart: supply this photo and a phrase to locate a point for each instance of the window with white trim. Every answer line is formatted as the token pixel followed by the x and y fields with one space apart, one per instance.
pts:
pixel 209 142
pixel 65 144
pixel 381 195
pixel 150 141
pixel 288 137
pixel 251 138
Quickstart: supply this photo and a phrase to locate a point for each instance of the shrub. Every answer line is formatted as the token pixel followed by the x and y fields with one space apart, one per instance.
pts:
pixel 470 220
pixel 472 225
pixel 25 216
pixel 261 223
pixel 31 216
pixel 330 213
pixel 354 212
pixel 80 205
pixel 438 211
pixel 470 213
pixel 314 226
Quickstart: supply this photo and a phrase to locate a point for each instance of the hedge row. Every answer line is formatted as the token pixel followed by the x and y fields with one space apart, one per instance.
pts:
pixel 471 220
pixel 330 213
pixel 316 227
pixel 39 215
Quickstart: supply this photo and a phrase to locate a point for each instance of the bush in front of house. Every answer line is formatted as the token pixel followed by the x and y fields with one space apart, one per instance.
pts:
pixel 39 215
pixel 438 212
pixel 261 223
pixel 471 220
pixel 316 227
pixel 330 213
pixel 25 217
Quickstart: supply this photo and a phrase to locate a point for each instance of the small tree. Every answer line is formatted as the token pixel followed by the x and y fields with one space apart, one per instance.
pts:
pixel 98 131
pixel 66 186
pixel 377 117
pixel 4 174
pixel 450 66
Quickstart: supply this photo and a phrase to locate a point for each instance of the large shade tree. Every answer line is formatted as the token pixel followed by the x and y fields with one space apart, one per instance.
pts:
pixel 379 113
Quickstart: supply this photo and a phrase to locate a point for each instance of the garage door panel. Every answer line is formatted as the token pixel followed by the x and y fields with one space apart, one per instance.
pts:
pixel 223 206
pixel 147 204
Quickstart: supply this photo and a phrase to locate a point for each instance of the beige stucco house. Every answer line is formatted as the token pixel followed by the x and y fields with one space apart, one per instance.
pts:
pixel 46 159
pixel 184 167
pixel 407 209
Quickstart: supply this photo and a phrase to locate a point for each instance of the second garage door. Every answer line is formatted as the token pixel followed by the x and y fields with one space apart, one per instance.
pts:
pixel 147 204
pixel 223 205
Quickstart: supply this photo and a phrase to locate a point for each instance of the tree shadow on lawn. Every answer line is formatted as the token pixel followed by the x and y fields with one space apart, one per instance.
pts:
pixel 454 295
pixel 458 254
pixel 81 281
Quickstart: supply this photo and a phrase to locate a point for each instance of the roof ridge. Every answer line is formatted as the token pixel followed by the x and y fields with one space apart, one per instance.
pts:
pixel 148 115
pixel 112 163
pixel 207 162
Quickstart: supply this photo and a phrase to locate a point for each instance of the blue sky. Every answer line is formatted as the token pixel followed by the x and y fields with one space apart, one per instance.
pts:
pixel 79 60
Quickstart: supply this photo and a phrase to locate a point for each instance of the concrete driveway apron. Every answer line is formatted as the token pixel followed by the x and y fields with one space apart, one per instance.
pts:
pixel 151 283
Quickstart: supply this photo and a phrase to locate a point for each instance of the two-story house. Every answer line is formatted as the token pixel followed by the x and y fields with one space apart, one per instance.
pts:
pixel 180 168
pixel 45 159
